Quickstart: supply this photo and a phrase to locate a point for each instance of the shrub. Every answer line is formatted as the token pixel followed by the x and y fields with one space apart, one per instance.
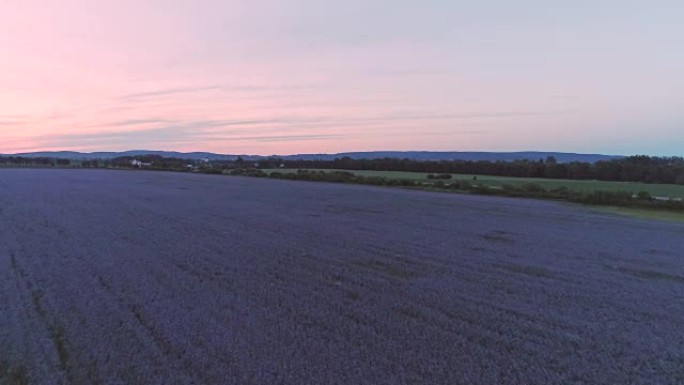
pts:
pixel 533 188
pixel 482 189
pixel 439 176
pixel 509 188
pixel 620 198
pixel 248 172
pixel 255 172
pixel 644 196
pixel 339 176
pixel 671 204
pixel 461 185
pixel 372 180
pixel 561 192
pixel 213 171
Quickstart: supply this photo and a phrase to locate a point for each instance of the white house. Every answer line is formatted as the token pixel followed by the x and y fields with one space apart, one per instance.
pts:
pixel 139 164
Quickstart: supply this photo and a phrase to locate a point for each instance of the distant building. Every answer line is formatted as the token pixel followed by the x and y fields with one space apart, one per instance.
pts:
pixel 139 164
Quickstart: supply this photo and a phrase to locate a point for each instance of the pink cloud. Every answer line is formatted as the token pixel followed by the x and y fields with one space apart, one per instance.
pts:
pixel 304 76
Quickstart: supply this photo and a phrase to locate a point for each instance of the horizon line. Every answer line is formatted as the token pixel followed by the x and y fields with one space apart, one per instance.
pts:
pixel 330 153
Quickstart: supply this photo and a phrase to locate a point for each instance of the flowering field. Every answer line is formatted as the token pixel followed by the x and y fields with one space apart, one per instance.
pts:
pixel 114 277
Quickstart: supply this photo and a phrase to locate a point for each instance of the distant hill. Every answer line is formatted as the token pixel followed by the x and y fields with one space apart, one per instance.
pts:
pixel 472 156
pixel 110 155
pixel 562 157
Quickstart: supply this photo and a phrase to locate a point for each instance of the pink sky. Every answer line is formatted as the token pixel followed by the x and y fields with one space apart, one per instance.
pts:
pixel 282 77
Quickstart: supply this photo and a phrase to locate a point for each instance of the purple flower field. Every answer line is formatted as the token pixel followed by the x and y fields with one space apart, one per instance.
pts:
pixel 114 277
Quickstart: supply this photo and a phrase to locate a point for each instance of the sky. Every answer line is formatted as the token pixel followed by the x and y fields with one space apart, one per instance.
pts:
pixel 322 76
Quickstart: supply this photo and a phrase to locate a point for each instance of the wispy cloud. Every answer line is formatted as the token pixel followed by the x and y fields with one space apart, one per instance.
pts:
pixel 139 122
pixel 213 88
pixel 169 92
pixel 189 132
pixel 271 76
pixel 156 131
pixel 15 119
pixel 286 138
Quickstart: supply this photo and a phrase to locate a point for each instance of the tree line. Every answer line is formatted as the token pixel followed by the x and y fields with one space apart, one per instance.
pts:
pixel 155 161
pixel 647 169
pixel 635 169
pixel 33 162
pixel 528 190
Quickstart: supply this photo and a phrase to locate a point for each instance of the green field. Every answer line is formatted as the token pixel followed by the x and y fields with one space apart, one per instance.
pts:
pixel 643 213
pixel 656 190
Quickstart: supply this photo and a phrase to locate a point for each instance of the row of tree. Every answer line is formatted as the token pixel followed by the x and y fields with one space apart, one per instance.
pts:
pixel 668 170
pixel 155 162
pixel 151 161
pixel 529 190
pixel 646 169
pixel 33 162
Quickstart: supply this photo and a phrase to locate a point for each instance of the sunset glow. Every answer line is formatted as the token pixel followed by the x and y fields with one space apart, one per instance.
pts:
pixel 311 76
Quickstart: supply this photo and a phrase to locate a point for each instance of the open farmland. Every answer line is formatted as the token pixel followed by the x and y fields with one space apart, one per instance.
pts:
pixel 657 190
pixel 114 277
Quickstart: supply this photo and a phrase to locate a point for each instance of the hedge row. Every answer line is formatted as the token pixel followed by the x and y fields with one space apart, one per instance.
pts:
pixel 528 190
